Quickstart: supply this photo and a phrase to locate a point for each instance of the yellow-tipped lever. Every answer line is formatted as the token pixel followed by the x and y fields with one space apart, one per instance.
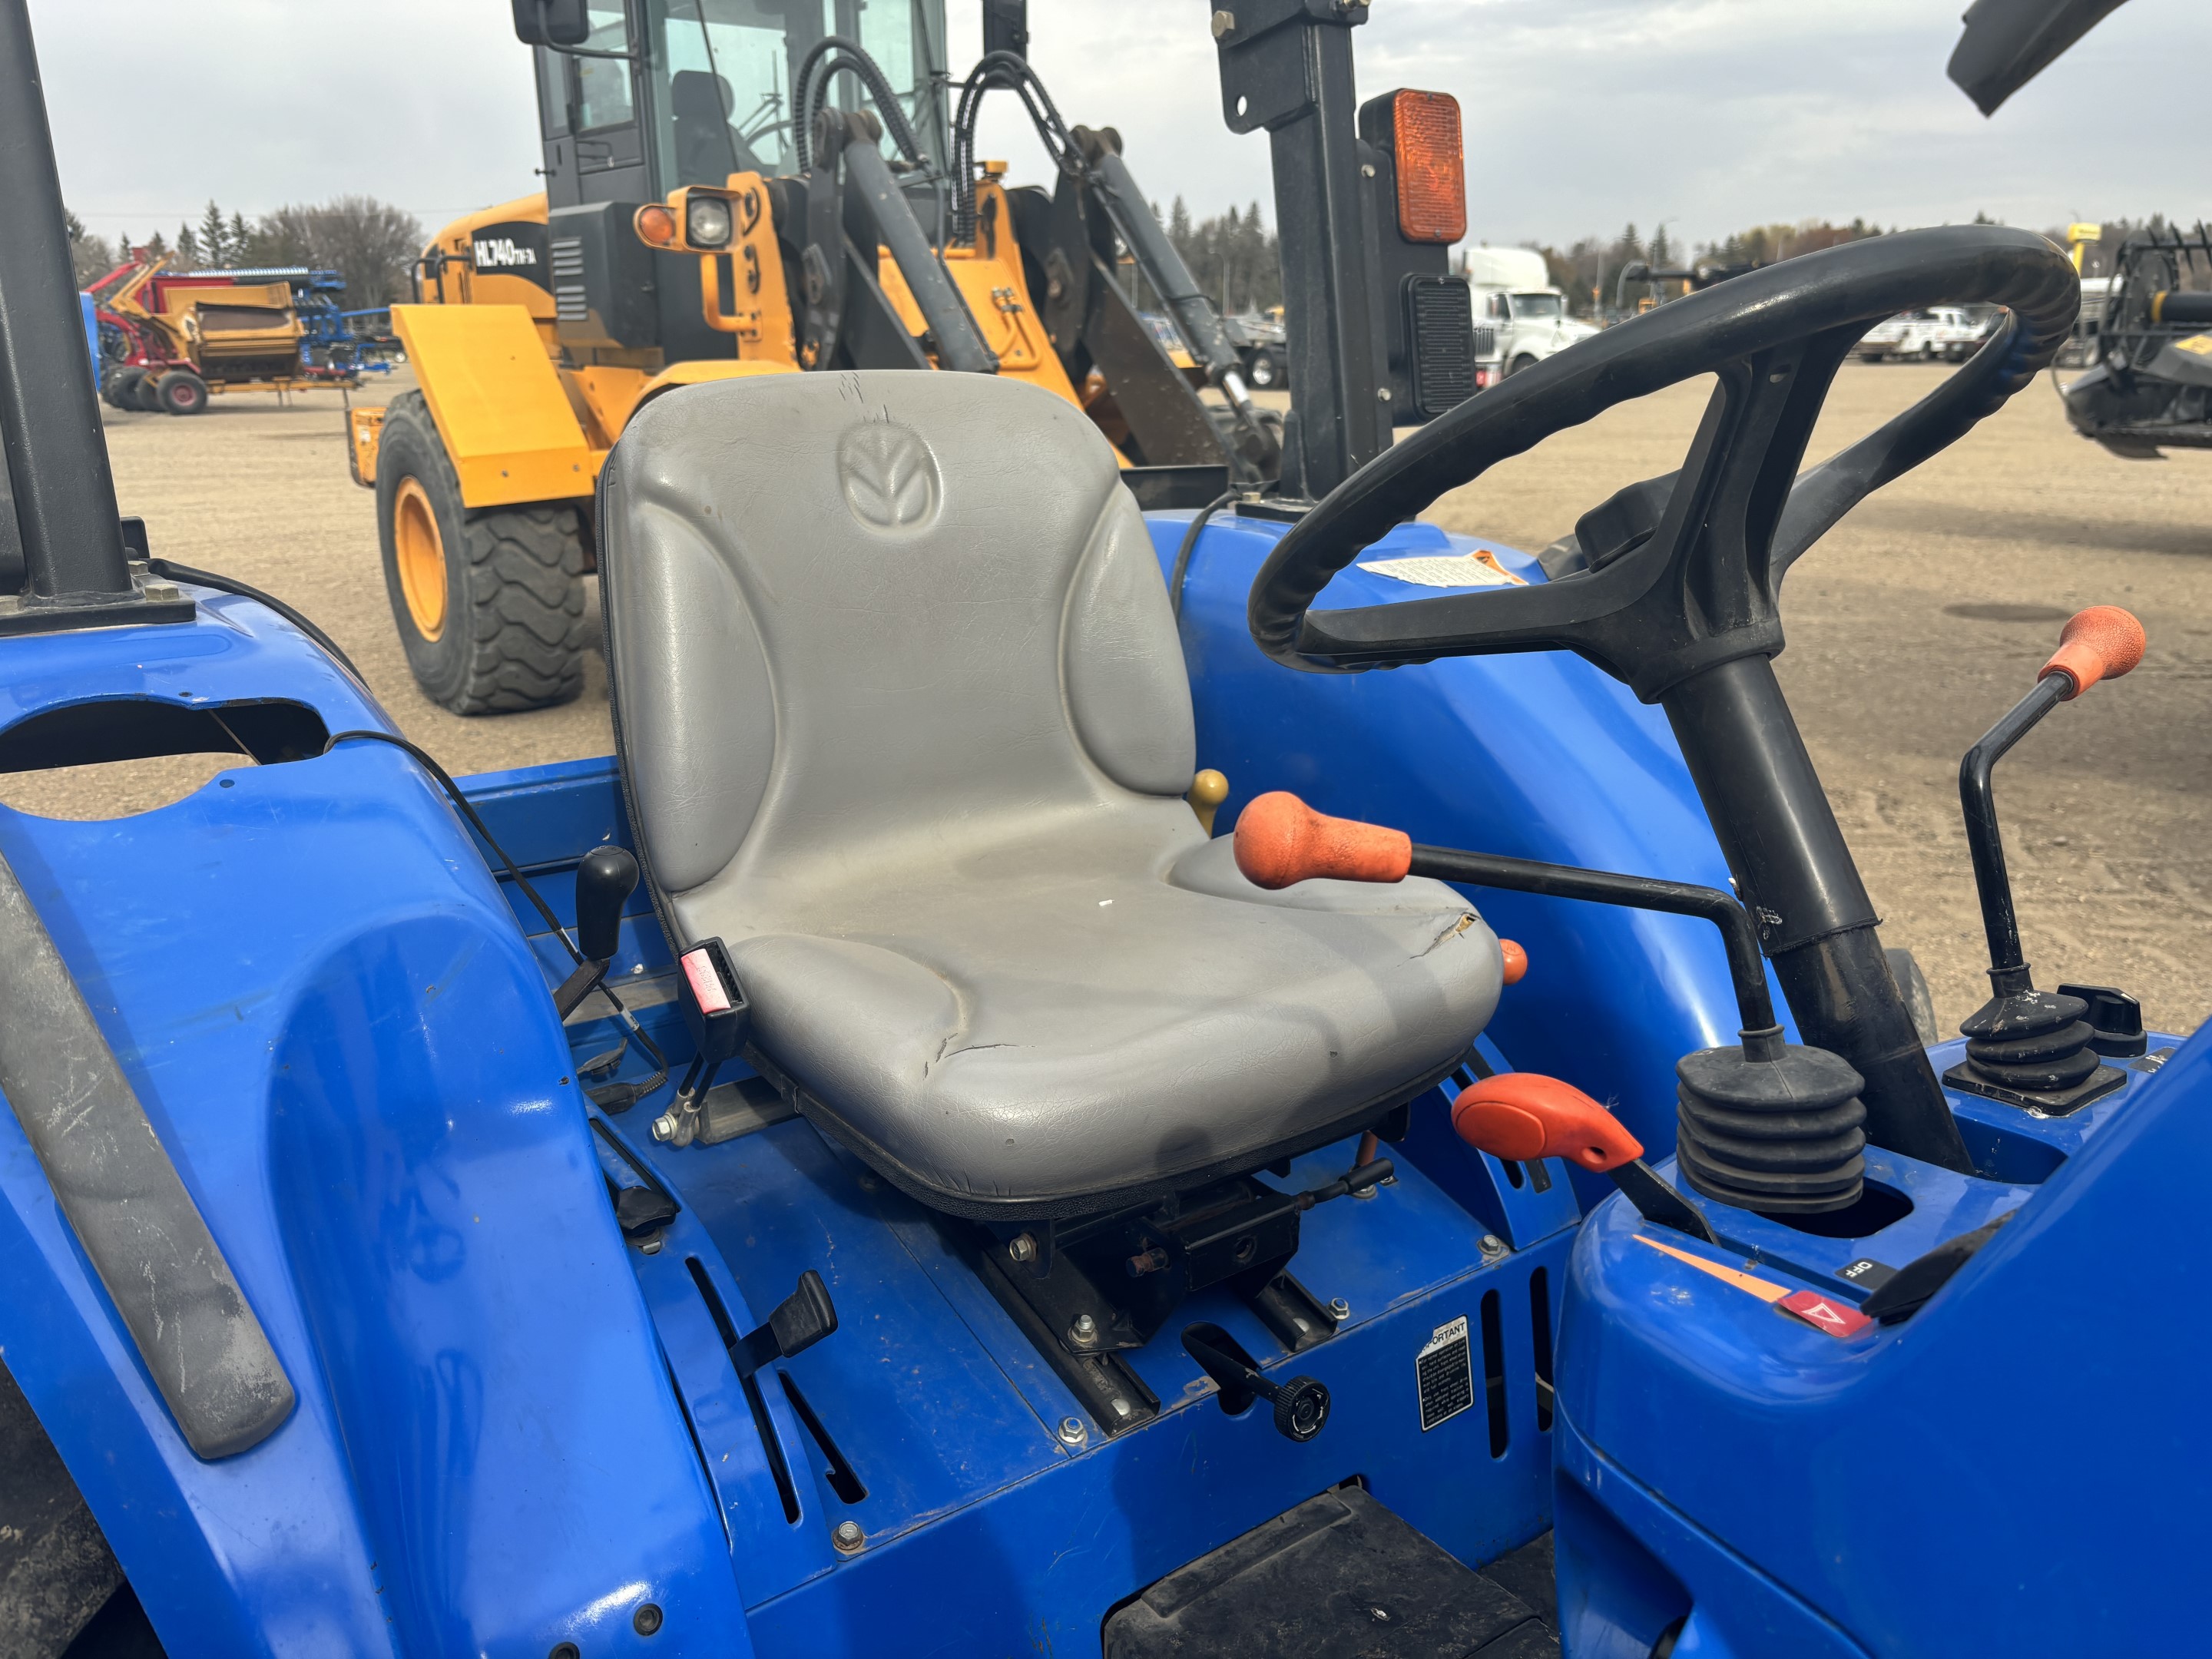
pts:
pixel 1207 790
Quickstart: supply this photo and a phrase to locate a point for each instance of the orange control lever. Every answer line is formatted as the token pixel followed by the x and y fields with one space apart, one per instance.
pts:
pixel 2101 643
pixel 1282 841
pixel 1522 1116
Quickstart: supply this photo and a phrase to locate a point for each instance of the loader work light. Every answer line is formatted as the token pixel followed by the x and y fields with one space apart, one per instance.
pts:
pixel 1432 168
pixel 706 223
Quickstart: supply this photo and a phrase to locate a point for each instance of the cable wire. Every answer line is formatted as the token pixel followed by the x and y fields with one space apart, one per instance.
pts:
pixel 1181 570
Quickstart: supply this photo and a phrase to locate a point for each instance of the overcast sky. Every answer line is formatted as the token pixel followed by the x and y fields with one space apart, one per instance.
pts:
pixel 1581 114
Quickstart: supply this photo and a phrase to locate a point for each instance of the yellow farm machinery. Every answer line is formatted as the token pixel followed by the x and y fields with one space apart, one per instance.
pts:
pixel 735 188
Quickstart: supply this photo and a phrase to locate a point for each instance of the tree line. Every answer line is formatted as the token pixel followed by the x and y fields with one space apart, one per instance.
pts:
pixel 371 244
pixel 1233 256
pixel 1587 270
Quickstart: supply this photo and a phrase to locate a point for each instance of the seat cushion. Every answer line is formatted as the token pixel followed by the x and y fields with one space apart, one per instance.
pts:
pixel 904 722
pixel 1064 1022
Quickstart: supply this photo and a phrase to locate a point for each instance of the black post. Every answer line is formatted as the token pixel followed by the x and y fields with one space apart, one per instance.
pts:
pixel 1815 922
pixel 57 456
pixel 1286 66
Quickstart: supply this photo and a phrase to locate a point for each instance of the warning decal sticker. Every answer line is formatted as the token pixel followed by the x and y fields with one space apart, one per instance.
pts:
pixel 1444 1371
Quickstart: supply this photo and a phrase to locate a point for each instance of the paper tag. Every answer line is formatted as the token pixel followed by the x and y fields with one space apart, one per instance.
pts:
pixel 1458 571
pixel 1444 1370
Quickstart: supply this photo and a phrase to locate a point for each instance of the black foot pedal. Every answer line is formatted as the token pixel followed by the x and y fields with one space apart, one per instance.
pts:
pixel 1286 1591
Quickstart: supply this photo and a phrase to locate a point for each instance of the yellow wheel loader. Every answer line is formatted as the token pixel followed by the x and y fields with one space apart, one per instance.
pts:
pixel 739 187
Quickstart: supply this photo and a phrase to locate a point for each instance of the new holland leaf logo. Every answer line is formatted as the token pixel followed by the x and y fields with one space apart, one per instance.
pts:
pixel 889 478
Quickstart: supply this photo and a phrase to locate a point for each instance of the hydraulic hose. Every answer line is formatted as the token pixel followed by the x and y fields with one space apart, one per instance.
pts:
pixel 810 92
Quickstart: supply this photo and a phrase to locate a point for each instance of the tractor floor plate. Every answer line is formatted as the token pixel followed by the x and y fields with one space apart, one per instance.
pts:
pixel 1338 1578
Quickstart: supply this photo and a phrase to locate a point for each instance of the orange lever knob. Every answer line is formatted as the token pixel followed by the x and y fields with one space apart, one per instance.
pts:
pixel 2101 643
pixel 1524 1115
pixel 1514 960
pixel 1282 841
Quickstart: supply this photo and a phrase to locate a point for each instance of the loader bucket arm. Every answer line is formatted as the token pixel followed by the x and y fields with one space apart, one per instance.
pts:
pixel 2008 43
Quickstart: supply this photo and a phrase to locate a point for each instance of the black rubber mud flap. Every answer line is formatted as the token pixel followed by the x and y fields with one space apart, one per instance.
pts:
pixel 147 1240
pixel 1338 1578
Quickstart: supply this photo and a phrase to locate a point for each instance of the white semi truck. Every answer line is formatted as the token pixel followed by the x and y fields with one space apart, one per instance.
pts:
pixel 1514 297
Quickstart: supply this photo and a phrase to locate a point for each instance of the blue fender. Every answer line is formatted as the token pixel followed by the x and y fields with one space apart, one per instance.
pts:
pixel 312 983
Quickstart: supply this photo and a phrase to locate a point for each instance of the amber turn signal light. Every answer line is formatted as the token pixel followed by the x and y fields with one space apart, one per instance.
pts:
pixel 1431 166
pixel 656 225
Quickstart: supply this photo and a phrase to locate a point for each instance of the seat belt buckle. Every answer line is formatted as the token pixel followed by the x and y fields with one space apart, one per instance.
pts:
pixel 713 1003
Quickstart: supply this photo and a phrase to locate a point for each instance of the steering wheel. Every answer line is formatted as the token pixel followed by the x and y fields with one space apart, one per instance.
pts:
pixel 1683 570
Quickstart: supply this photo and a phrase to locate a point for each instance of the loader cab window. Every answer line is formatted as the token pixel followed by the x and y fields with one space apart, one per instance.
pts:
pixel 602 95
pixel 722 73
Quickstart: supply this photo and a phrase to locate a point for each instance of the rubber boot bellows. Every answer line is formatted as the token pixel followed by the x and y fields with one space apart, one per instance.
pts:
pixel 1781 1136
pixel 2031 1041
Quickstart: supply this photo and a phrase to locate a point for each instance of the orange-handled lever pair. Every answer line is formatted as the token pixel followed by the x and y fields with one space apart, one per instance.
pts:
pixel 2101 643
pixel 1524 1115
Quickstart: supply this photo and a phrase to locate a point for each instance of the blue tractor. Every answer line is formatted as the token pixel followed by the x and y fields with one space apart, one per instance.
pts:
pixel 866 1170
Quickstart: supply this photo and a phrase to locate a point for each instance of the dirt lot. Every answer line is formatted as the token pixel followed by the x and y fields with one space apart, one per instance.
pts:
pixel 1914 624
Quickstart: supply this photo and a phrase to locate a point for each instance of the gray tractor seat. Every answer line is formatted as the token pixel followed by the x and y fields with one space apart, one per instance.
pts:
pixel 904 722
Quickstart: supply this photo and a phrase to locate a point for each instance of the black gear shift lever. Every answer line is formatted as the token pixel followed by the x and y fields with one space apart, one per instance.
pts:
pixel 2025 1046
pixel 606 876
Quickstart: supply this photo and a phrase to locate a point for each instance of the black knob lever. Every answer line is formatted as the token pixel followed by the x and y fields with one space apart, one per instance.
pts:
pixel 1300 1404
pixel 606 876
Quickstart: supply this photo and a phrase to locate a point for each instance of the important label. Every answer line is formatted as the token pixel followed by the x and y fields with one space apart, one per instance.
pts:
pixel 1444 1371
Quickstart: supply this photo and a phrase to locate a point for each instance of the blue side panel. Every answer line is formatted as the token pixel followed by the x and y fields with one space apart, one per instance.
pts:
pixel 1537 756
pixel 319 993
pixel 2019 1468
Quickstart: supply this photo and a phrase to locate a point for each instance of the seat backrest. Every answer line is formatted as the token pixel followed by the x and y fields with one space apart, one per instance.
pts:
pixel 880 617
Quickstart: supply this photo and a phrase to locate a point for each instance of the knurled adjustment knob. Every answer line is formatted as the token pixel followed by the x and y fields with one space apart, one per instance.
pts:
pixel 1782 1135
pixel 1301 1408
pixel 2031 1041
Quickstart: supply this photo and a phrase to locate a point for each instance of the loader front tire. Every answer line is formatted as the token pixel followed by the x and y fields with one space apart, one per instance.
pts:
pixel 489 604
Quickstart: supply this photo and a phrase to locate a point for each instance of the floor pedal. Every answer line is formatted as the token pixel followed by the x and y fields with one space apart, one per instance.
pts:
pixel 1338 1578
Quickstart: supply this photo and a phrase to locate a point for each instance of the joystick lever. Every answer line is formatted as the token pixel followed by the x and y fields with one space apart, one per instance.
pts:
pixel 1523 1115
pixel 606 876
pixel 2026 1046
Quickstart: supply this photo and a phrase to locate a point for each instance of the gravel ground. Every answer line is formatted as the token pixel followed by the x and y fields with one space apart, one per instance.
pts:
pixel 1916 623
